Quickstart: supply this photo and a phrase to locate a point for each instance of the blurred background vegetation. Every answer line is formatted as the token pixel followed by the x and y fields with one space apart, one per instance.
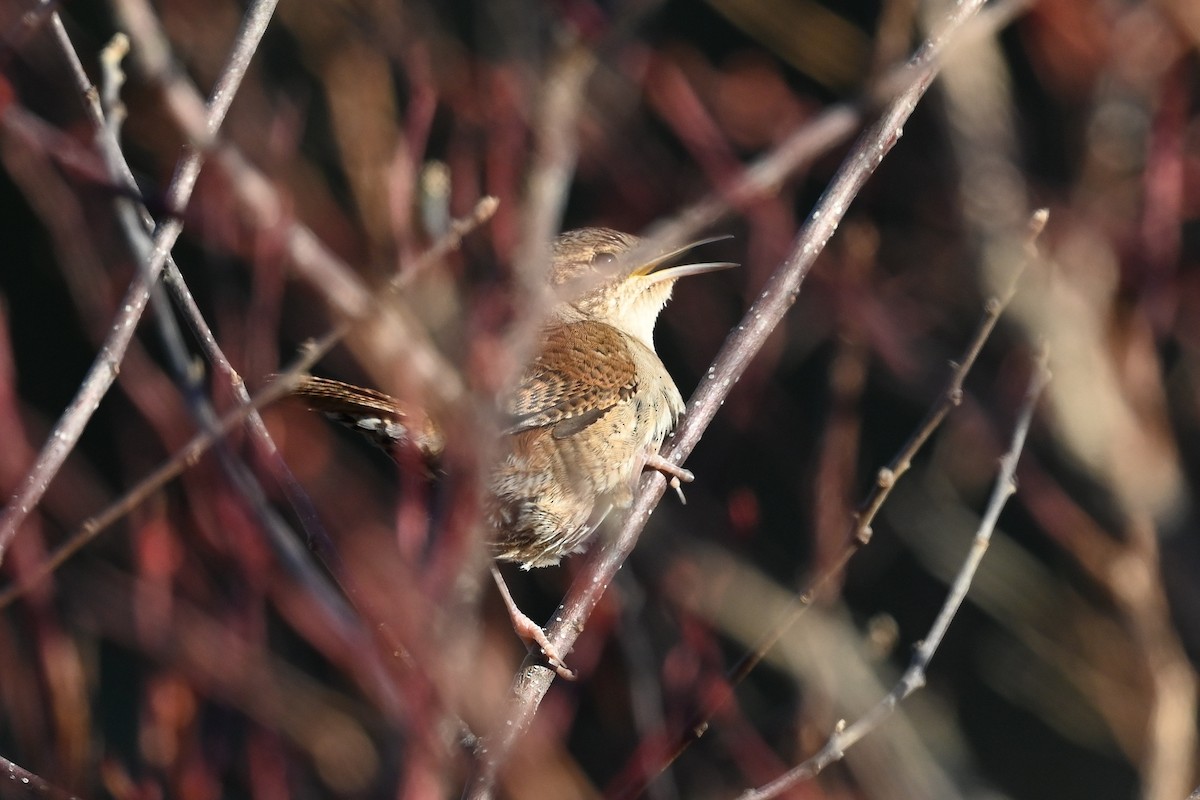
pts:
pixel 179 656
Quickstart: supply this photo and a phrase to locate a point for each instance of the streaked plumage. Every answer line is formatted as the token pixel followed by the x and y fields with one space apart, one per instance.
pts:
pixel 589 411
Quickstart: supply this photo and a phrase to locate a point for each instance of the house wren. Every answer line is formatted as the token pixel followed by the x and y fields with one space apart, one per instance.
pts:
pixel 588 416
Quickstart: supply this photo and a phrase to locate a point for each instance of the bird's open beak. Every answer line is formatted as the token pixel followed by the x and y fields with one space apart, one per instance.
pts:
pixel 651 268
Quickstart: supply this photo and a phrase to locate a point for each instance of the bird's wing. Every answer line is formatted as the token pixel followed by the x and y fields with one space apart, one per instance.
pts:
pixel 582 371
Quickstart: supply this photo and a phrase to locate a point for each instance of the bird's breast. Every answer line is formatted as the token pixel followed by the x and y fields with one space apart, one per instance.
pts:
pixel 558 481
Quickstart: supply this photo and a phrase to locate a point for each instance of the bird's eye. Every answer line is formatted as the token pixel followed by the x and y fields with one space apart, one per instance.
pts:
pixel 603 259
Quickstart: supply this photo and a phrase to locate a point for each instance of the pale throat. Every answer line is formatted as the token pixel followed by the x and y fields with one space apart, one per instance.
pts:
pixel 638 316
pixel 634 316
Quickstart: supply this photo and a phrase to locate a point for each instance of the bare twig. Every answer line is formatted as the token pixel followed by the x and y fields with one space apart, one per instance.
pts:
pixel 283 385
pixel 398 348
pixel 844 736
pixel 860 532
pixel 186 457
pixel 553 164
pixel 827 130
pixel 952 395
pixel 106 116
pixel 108 361
pixel 30 783
pixel 136 222
pixel 533 679
pixel 137 226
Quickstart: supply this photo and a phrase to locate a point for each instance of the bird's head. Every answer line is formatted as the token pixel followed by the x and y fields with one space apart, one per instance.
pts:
pixel 603 276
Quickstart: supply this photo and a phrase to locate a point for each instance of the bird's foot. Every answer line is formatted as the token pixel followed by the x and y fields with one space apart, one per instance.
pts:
pixel 530 632
pixel 676 473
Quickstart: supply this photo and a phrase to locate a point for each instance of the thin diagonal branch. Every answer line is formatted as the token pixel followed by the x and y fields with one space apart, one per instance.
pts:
pixel 31 783
pixel 108 361
pixel 952 395
pixel 534 680
pixel 137 226
pixel 118 167
pixel 284 384
pixel 393 348
pixel 914 677
pixel 859 534
pixel 829 129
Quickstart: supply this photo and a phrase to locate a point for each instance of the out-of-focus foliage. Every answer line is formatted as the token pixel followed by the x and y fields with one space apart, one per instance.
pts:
pixel 180 655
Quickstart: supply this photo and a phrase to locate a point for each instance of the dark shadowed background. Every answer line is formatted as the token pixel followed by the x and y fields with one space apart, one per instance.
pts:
pixel 180 655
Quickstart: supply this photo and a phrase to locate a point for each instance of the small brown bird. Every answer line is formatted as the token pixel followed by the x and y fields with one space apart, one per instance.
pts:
pixel 587 417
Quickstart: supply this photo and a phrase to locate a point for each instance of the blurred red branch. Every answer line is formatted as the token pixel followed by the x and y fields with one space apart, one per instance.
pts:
pixel 108 361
